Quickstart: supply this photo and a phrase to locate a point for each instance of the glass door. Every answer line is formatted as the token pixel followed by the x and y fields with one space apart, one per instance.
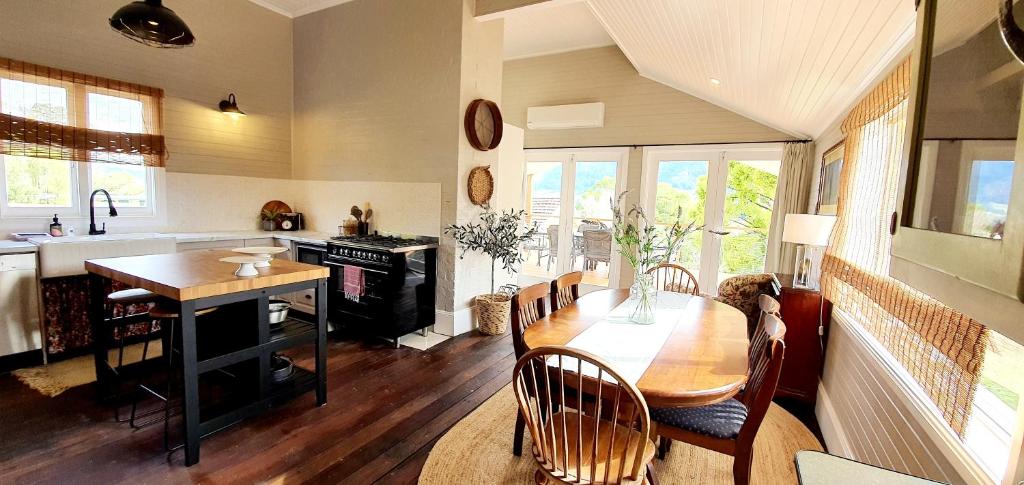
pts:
pixel 751 180
pixel 731 192
pixel 568 196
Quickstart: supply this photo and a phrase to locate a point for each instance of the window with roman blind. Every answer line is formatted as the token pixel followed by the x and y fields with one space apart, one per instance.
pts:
pixel 942 349
pixel 64 134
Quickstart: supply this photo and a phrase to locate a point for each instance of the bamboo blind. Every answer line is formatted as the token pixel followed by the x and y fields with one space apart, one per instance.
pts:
pixel 44 113
pixel 941 348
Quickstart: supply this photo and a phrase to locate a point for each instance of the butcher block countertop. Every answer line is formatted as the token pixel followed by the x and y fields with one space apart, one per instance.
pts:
pixel 199 274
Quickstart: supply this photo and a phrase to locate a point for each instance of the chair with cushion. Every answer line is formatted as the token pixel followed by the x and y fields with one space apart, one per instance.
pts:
pixel 767 306
pixel 730 427
pixel 565 289
pixel 527 308
pixel 607 442
pixel 675 278
pixel 741 292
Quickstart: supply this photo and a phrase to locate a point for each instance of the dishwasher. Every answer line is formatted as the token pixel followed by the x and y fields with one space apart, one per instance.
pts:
pixel 19 304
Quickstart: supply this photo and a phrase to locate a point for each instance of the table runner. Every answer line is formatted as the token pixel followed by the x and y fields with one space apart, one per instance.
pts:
pixel 628 347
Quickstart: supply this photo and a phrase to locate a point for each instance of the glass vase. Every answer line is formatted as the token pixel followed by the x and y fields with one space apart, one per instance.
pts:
pixel 645 297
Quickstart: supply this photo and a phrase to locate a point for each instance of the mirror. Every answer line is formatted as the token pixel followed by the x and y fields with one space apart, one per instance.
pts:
pixel 963 177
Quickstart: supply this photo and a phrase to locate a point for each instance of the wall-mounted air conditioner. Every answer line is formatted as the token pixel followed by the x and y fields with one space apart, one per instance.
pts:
pixel 588 115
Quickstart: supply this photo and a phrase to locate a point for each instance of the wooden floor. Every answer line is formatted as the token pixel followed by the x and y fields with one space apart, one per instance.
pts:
pixel 385 410
pixel 386 407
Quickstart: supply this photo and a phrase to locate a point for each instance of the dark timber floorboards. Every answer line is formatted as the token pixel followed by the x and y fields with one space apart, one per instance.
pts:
pixel 385 410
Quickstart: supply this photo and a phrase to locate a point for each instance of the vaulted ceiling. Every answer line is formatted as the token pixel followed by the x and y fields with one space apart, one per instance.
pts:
pixel 794 65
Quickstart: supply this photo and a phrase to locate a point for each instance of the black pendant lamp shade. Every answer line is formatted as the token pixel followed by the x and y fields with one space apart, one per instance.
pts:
pixel 151 23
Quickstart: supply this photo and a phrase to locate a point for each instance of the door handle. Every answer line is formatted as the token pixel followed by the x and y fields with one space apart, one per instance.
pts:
pixel 719 233
pixel 1012 34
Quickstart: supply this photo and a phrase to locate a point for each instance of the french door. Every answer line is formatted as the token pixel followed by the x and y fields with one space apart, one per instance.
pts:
pixel 730 190
pixel 567 197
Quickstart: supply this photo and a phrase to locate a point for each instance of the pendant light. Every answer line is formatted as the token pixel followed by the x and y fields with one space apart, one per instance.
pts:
pixel 149 22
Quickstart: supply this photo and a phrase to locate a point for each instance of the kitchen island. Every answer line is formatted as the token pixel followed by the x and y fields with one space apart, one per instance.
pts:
pixel 198 280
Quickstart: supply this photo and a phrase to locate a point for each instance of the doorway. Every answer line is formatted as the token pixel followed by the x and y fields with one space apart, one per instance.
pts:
pixel 730 190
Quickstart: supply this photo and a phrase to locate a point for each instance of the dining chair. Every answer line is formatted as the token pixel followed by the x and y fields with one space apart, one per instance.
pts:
pixel 597 247
pixel 730 427
pixel 527 308
pixel 609 443
pixel 675 278
pixel 565 289
pixel 766 306
pixel 552 244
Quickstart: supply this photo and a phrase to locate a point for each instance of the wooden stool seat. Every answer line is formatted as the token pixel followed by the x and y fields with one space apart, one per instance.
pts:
pixel 131 297
pixel 168 310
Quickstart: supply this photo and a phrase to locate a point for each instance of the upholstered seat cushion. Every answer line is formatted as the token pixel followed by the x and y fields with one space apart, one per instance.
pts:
pixel 722 420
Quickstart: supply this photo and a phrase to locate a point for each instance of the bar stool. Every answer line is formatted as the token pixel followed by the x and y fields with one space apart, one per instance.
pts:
pixel 124 299
pixel 167 314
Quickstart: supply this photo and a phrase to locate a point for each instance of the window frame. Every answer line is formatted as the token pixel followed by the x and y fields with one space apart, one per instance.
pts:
pixel 81 173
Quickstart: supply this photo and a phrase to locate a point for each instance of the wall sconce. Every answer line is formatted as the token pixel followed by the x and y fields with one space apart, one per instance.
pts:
pixel 230 106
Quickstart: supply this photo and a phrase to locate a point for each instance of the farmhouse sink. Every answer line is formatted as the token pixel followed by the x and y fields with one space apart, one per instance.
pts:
pixel 66 256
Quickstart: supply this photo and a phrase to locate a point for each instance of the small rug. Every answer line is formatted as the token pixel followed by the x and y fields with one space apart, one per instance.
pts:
pixel 478 449
pixel 52 379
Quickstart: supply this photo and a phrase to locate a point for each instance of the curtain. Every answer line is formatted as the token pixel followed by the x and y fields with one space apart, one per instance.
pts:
pixel 792 195
pixel 64 115
pixel 941 348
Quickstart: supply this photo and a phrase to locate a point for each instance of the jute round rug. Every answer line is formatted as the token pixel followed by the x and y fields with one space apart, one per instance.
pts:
pixel 479 450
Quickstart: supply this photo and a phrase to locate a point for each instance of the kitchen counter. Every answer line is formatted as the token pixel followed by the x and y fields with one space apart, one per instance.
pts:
pixel 309 237
pixel 15 247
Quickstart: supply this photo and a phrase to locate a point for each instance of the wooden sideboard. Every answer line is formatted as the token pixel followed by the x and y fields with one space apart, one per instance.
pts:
pixel 802 310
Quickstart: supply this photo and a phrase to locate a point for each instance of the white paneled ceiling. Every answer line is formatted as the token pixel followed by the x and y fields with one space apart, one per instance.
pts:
pixel 794 65
pixel 297 8
pixel 546 30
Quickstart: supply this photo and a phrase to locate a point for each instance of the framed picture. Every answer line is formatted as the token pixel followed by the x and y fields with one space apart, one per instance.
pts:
pixel 828 184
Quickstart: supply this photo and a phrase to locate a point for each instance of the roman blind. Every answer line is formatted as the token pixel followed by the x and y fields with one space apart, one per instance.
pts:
pixel 941 348
pixel 64 115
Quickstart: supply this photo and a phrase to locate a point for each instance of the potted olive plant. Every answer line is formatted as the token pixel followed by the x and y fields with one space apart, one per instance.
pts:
pixel 500 236
pixel 645 246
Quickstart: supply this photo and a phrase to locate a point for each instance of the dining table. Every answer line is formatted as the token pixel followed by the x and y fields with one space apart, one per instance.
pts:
pixel 195 280
pixel 694 354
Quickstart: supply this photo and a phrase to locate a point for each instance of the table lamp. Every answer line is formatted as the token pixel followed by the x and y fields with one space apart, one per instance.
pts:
pixel 810 233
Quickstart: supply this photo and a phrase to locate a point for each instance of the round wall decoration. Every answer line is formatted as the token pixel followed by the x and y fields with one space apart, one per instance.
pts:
pixel 483 124
pixel 481 185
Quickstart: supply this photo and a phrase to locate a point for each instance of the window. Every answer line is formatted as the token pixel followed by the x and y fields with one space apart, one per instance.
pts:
pixel 730 190
pixel 568 196
pixel 67 134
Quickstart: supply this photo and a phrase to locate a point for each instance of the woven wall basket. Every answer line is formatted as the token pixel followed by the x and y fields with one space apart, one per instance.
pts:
pixel 480 185
pixel 493 312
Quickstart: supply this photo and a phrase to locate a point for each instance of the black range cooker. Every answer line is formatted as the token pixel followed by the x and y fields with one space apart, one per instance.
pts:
pixel 396 293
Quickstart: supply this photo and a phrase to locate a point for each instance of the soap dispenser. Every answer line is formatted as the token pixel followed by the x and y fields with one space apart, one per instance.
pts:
pixel 56 230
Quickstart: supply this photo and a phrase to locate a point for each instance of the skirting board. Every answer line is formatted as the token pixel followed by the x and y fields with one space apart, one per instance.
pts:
pixel 454 323
pixel 831 429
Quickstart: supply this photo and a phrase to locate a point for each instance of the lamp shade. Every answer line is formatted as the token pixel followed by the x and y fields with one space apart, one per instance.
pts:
pixel 151 23
pixel 812 230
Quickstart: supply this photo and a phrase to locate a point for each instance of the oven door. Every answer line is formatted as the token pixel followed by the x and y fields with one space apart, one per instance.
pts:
pixel 373 304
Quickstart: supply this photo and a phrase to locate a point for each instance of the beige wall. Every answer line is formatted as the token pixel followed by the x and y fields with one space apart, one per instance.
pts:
pixel 638 111
pixel 377 91
pixel 240 47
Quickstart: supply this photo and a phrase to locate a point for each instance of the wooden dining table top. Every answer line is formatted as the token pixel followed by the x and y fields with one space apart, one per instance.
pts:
pixel 191 275
pixel 703 361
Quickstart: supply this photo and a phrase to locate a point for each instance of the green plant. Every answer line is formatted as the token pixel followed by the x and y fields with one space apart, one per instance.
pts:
pixel 269 215
pixel 640 241
pixel 499 236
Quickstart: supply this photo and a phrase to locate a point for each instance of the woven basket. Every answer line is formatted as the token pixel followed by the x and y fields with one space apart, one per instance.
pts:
pixel 493 313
